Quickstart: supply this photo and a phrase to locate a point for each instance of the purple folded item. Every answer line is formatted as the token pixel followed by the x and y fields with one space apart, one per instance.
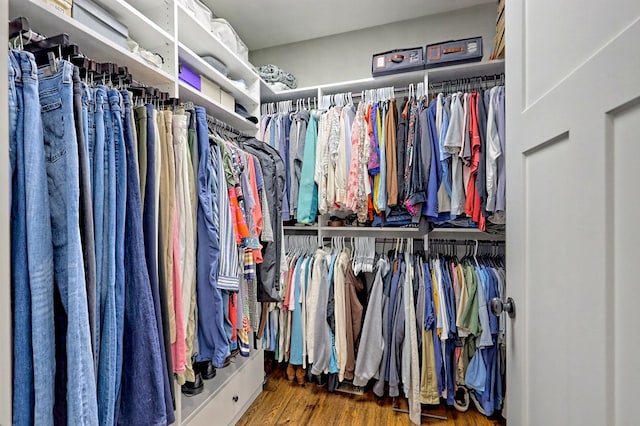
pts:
pixel 190 77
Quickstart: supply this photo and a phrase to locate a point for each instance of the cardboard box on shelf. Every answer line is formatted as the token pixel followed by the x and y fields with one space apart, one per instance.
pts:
pixel 227 100
pixel 63 6
pixel 210 89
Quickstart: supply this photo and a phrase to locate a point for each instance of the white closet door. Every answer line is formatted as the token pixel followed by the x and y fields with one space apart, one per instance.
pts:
pixel 573 123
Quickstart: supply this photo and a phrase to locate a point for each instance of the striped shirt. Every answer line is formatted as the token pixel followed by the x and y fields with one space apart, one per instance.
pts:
pixel 229 271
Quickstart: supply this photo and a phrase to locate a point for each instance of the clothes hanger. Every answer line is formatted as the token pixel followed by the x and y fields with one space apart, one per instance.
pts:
pixel 475 253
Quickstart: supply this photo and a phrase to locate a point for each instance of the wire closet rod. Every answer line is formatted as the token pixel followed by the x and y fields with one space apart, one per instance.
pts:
pixel 465 242
pixel 215 123
pixel 471 82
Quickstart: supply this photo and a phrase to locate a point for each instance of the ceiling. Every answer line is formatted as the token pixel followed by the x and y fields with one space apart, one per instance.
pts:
pixel 268 23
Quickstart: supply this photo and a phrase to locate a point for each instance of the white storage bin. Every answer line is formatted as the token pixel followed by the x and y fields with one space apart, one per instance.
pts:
pixel 228 36
pixel 201 12
pixel 243 51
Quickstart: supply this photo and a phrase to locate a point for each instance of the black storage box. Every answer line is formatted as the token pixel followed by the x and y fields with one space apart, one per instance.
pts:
pixel 397 61
pixel 454 52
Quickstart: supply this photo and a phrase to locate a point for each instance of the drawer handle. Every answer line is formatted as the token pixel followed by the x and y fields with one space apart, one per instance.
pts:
pixel 235 398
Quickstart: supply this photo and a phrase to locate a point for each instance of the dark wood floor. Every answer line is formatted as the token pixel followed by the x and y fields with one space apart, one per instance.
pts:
pixel 283 402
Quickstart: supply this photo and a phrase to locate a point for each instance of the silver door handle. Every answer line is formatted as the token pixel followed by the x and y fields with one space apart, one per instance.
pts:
pixel 498 306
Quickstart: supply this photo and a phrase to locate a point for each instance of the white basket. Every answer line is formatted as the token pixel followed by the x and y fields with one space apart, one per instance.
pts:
pixel 201 12
pixel 228 36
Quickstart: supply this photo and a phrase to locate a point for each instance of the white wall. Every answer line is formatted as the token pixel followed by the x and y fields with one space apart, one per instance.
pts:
pixel 347 56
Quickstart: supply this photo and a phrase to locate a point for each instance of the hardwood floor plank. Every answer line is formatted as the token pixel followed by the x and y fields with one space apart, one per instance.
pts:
pixel 286 403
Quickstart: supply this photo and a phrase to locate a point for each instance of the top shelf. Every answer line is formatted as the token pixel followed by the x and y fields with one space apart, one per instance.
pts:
pixel 141 28
pixel 48 20
pixel 202 42
pixel 435 75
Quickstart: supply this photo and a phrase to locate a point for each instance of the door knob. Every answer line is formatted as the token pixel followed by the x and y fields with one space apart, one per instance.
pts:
pixel 498 306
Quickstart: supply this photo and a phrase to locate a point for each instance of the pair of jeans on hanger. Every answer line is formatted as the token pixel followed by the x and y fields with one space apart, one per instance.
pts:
pixel 143 368
pixel 45 186
pixel 102 122
pixel 31 249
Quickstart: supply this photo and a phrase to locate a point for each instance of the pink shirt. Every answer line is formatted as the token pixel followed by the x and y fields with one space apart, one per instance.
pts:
pixel 178 348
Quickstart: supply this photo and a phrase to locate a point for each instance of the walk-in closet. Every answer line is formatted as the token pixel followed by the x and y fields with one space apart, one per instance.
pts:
pixel 401 212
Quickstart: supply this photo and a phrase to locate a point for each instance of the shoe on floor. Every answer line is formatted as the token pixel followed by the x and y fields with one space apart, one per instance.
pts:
pixel 205 368
pixel 461 399
pixel 474 398
pixel 193 388
pixel 300 373
pixel 291 372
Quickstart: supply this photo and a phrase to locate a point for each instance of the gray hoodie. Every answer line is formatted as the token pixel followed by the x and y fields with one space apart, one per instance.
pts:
pixel 321 338
pixel 372 343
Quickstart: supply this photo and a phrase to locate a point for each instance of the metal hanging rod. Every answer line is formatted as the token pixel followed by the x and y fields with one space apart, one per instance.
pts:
pixel 214 123
pixel 465 242
pixel 290 105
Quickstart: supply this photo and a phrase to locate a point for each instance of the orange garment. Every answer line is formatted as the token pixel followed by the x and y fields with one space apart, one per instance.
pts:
pixel 257 209
pixel 473 207
pixel 239 223
pixel 391 148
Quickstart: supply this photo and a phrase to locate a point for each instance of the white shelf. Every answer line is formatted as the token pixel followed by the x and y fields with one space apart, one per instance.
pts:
pixel 474 69
pixel 188 93
pixel 202 42
pixel 368 231
pixel 196 63
pixel 267 94
pixel 435 75
pixel 464 234
pixel 300 228
pixel 141 29
pixel 47 20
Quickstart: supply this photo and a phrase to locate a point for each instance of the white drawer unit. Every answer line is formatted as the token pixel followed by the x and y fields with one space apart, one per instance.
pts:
pixel 227 396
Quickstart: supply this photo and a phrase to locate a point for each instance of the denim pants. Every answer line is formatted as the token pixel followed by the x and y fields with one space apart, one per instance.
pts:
pixel 61 154
pixel 212 339
pixel 115 101
pixel 96 144
pixel 142 391
pixel 108 324
pixel 86 207
pixel 31 250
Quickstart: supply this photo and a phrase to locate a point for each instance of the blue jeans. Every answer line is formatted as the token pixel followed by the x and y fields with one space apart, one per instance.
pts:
pixel 31 249
pixel 108 327
pixel 142 367
pixel 115 101
pixel 81 112
pixel 96 144
pixel 61 154
pixel 213 343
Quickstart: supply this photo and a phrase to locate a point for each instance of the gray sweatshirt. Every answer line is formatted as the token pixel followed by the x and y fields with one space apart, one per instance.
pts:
pixel 321 339
pixel 372 342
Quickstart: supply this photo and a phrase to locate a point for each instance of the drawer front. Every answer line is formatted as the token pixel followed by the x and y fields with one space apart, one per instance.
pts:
pixel 235 397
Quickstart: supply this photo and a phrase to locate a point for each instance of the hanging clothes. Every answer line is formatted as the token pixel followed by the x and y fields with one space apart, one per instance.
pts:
pixel 441 159
pixel 141 231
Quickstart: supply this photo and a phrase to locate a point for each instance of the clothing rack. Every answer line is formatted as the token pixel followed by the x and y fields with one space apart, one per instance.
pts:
pixel 19 28
pixel 47 50
pixel 466 84
pixel 288 105
pixel 215 124
pixel 418 90
pixel 473 247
